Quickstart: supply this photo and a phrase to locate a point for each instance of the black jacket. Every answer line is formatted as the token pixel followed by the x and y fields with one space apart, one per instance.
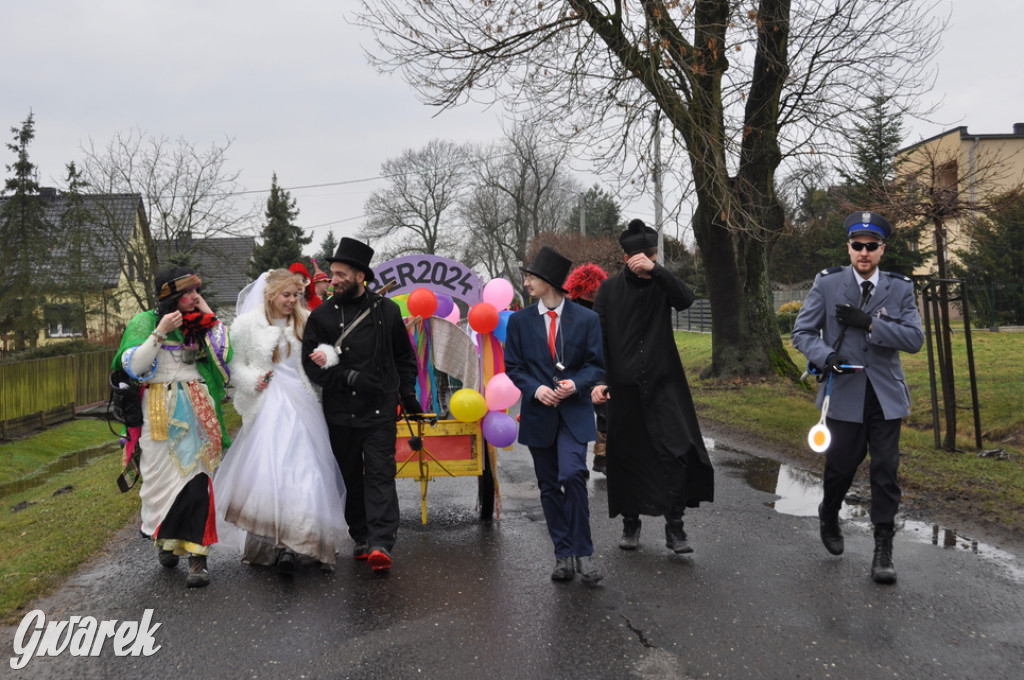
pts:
pixel 379 349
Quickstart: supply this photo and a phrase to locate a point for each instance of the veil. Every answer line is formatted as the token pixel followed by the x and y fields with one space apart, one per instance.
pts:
pixel 251 297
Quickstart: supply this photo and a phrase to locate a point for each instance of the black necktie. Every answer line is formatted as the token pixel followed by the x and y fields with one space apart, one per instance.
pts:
pixel 866 286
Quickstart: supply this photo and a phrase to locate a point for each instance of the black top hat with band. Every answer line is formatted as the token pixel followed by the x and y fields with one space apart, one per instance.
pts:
pixel 551 266
pixel 637 237
pixel 867 223
pixel 354 253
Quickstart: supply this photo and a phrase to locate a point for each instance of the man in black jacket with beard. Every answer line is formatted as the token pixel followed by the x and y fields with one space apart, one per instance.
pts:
pixel 366 376
pixel 657 462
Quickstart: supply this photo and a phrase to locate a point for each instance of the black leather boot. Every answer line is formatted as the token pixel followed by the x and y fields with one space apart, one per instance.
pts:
pixel 882 568
pixel 831 536
pixel 675 537
pixel 630 533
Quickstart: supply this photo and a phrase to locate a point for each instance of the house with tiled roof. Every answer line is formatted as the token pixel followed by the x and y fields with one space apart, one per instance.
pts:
pixel 222 263
pixel 107 258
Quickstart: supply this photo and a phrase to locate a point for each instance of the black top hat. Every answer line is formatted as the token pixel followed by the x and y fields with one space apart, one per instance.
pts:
pixel 638 236
pixel 869 223
pixel 551 266
pixel 354 253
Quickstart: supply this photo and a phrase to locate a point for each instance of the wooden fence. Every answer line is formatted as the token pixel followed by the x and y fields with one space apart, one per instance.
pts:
pixel 42 392
pixel 696 318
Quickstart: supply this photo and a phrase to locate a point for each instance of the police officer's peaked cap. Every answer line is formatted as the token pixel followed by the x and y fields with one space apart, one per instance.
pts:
pixel 869 223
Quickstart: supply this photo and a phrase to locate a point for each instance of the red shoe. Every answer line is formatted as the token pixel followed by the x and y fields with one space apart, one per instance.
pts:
pixel 379 559
pixel 360 552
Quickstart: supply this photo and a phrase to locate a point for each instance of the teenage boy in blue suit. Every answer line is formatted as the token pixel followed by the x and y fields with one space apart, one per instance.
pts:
pixel 553 354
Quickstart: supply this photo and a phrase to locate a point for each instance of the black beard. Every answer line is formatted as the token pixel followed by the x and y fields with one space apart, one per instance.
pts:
pixel 347 294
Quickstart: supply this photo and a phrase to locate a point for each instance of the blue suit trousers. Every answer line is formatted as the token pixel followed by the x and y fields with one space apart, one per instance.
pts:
pixel 562 477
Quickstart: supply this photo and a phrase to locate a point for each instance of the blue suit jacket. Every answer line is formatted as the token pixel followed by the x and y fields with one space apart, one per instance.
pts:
pixel 529 365
pixel 896 325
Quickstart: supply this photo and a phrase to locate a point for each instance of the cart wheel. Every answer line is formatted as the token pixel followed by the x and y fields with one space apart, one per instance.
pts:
pixel 485 486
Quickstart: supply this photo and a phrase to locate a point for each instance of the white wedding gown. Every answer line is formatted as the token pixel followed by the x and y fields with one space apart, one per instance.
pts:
pixel 279 483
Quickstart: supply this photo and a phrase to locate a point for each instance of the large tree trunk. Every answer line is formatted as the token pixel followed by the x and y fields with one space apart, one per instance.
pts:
pixel 745 333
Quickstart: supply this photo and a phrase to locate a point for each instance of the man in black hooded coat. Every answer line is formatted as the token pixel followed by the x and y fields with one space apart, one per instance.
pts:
pixel 657 462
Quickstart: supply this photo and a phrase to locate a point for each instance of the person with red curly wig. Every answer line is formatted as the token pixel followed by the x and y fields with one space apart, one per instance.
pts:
pixel 582 284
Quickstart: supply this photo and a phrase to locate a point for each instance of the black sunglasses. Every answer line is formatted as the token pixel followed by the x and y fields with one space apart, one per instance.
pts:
pixel 872 246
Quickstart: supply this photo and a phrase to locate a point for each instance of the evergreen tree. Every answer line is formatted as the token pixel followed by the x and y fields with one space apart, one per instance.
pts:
pixel 281 240
pixel 869 185
pixel 994 265
pixel 328 247
pixel 602 214
pixel 23 244
pixel 82 279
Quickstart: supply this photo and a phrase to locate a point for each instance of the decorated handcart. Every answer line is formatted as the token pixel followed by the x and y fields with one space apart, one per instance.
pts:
pixel 462 386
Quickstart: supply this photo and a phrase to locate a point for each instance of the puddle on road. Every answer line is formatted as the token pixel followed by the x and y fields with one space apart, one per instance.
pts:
pixel 799 493
pixel 63 464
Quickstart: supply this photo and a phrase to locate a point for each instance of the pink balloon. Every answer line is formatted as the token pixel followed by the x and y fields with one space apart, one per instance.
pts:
pixel 498 292
pixel 499 429
pixel 501 393
pixel 455 315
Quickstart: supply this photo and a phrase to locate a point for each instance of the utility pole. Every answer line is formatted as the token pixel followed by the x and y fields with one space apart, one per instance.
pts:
pixel 583 214
pixel 658 197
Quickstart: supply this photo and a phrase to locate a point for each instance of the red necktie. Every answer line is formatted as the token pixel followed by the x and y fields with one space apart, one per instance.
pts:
pixel 552 331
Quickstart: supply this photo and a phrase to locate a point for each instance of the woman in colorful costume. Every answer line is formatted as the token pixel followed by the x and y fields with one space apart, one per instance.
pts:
pixel 179 352
pixel 281 484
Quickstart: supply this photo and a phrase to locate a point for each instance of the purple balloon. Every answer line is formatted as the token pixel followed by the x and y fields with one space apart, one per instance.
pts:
pixel 444 305
pixel 499 429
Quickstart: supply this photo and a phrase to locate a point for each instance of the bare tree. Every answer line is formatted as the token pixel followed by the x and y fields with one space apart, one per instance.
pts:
pixel 521 190
pixel 741 85
pixel 190 193
pixel 416 211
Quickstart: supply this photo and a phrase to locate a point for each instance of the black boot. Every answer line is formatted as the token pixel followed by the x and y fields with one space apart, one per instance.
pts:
pixel 675 537
pixel 882 568
pixel 198 574
pixel 630 533
pixel 831 536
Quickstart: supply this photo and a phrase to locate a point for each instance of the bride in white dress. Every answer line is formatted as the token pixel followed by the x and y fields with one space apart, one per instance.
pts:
pixel 279 482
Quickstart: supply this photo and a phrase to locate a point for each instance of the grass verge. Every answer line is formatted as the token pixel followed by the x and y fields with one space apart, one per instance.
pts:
pixel 46 532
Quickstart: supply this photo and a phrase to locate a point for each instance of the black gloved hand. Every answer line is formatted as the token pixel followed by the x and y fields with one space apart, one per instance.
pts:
pixel 411 405
pixel 849 315
pixel 360 382
pixel 835 363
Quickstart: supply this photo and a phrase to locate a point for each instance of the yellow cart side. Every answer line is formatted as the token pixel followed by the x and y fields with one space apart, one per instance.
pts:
pixel 435 448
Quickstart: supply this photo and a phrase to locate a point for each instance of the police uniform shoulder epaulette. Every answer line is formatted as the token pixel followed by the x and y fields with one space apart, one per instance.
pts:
pixel 896 275
pixel 830 270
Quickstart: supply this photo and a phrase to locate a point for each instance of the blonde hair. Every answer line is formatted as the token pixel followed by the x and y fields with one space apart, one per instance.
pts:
pixel 277 281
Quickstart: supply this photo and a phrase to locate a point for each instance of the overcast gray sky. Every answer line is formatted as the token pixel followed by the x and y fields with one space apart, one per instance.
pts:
pixel 289 83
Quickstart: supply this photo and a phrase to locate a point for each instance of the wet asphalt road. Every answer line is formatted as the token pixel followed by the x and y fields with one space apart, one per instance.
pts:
pixel 759 598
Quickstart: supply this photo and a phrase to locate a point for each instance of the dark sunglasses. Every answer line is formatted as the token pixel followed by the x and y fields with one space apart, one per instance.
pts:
pixel 872 246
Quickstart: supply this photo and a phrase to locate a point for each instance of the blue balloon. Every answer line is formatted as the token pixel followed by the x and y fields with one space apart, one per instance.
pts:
pixel 501 332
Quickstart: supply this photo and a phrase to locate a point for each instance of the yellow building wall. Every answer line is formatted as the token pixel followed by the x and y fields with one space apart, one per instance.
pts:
pixel 977 168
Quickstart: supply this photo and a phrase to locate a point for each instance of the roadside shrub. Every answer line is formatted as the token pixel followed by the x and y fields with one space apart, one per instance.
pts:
pixel 786 321
pixel 791 306
pixel 55 349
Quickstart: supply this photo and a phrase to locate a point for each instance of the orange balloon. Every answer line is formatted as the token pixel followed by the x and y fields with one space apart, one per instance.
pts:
pixel 422 302
pixel 483 317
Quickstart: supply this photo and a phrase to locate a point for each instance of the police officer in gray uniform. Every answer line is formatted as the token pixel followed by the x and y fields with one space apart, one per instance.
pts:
pixel 860 316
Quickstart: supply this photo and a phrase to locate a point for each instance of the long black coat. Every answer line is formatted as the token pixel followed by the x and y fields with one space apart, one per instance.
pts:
pixel 656 455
